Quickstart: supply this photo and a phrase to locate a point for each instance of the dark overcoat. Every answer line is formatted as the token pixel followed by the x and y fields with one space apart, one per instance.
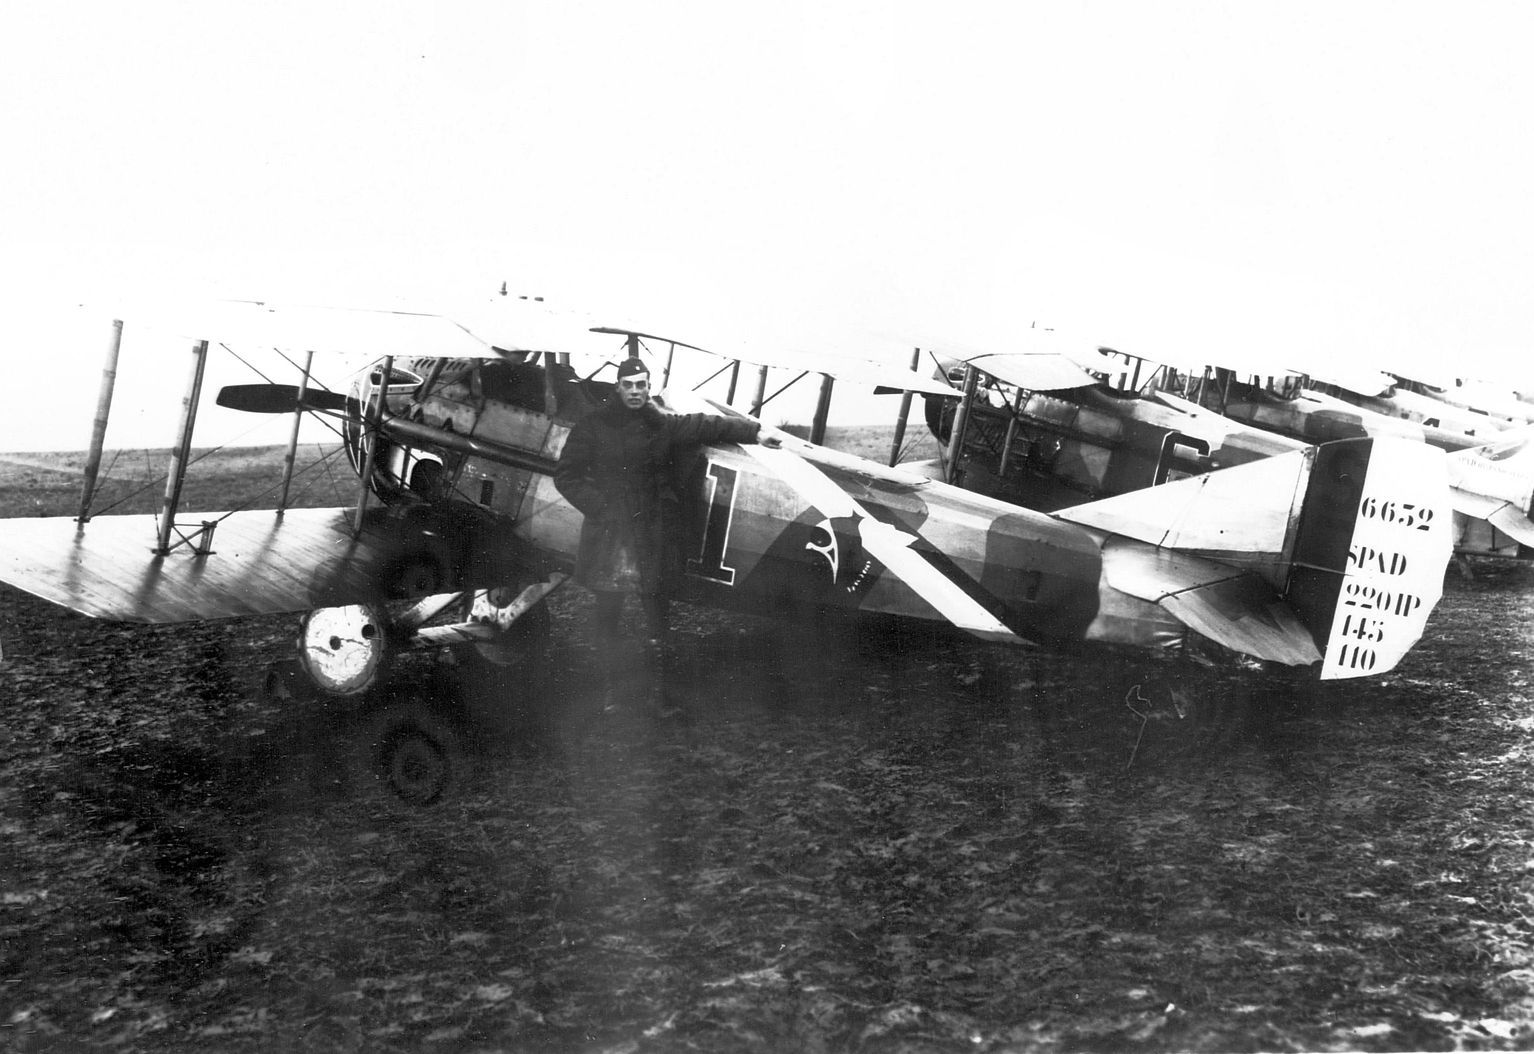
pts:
pixel 620 468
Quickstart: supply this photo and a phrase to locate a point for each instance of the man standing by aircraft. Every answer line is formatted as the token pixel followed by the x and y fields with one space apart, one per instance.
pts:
pixel 619 468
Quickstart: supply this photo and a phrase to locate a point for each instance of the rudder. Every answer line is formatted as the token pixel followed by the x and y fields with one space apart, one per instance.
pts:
pixel 1373 538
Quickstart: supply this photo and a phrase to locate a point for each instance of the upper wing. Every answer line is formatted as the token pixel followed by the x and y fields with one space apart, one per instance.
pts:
pixel 843 368
pixel 303 328
pixel 1354 379
pixel 1039 371
pixel 260 563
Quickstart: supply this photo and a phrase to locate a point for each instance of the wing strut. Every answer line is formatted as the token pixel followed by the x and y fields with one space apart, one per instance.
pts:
pixel 298 420
pixel 905 413
pixel 182 452
pixel 822 411
pixel 759 400
pixel 99 426
pixel 373 417
pixel 729 396
pixel 1012 428
pixel 961 421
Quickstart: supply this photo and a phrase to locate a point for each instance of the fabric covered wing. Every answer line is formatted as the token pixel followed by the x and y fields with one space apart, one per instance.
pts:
pixel 1237 609
pixel 1036 371
pixel 259 564
pixel 299 328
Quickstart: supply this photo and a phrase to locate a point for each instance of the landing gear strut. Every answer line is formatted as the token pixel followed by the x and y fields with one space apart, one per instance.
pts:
pixel 410 741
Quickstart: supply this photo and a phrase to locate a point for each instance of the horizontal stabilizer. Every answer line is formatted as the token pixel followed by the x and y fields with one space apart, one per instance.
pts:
pixel 277 398
pixel 1233 608
pixel 1514 523
pixel 1495 483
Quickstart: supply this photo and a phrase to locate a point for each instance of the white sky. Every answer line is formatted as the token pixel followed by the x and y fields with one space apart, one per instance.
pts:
pixel 1309 180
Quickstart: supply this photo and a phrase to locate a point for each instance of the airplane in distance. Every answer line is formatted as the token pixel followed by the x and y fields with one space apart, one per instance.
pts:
pixel 1280 399
pixel 1494 507
pixel 1326 561
pixel 1503 405
pixel 1055 421
pixel 1491 478
pixel 1389 395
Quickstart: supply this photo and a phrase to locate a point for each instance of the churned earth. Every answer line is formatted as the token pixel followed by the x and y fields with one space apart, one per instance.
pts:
pixel 874 845
pixel 791 844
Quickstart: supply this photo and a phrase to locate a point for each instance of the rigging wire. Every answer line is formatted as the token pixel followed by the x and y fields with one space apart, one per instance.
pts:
pixel 105 477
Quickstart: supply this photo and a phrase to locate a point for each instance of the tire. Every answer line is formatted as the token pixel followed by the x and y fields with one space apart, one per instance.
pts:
pixel 412 754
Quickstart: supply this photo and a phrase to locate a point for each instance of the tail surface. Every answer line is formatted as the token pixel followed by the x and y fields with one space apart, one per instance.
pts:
pixel 1495 483
pixel 1345 543
pixel 1375 534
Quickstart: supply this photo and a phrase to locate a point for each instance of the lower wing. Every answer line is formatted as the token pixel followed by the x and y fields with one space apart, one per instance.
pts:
pixel 250 563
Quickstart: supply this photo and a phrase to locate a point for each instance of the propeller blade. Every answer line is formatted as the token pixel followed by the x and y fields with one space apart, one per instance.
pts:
pixel 277 398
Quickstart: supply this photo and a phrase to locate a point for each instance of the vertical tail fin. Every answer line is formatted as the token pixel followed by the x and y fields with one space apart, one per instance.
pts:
pixel 1375 533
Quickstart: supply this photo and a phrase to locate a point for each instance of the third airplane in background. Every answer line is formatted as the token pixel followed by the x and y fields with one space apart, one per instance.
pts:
pixel 1100 422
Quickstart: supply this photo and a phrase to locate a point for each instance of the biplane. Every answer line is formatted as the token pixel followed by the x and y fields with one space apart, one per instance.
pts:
pixel 1281 400
pixel 1444 424
pixel 1120 422
pixel 1504 407
pixel 1493 495
pixel 1055 421
pixel 1325 560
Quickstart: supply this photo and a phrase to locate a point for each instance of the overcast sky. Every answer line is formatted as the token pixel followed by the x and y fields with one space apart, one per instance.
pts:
pixel 1328 180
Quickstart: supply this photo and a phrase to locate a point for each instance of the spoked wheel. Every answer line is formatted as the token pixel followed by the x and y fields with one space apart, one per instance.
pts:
pixel 413 752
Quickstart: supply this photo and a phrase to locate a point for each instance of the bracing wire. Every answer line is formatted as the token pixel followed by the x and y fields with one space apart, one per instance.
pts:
pixel 106 477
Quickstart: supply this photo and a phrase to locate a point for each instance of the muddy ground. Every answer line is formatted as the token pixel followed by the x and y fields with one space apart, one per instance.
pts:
pixel 852 846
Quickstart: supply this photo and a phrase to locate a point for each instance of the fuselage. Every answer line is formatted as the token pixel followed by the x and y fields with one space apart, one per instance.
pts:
pixel 752 540
pixel 1446 426
pixel 1088 443
pixel 1503 407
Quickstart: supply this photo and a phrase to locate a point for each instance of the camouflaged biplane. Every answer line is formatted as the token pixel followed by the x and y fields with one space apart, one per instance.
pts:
pixel 1323 559
pixel 1053 423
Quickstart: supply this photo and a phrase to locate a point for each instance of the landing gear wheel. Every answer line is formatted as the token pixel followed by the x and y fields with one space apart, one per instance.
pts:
pixel 344 650
pixel 416 755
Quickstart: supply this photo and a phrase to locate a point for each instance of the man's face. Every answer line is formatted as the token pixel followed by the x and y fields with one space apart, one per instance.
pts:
pixel 634 390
